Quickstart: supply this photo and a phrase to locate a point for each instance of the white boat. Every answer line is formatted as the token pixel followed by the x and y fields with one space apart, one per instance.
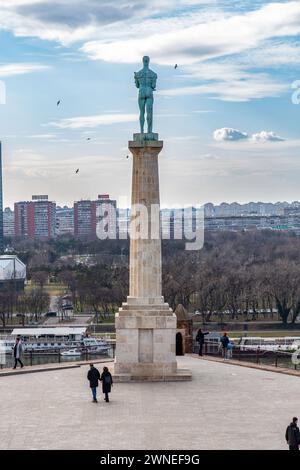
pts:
pixel 95 346
pixel 46 340
pixel 275 344
pixel 71 352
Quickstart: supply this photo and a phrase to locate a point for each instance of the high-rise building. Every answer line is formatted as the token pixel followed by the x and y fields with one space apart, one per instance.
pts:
pixel 84 219
pixel 64 220
pixel 88 215
pixel 106 217
pixel 1 204
pixel 8 222
pixel 36 218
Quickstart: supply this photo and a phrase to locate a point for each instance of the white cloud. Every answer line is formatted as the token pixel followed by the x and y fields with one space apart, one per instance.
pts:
pixel 9 70
pixel 196 38
pixel 209 156
pixel 188 43
pixel 255 87
pixel 227 133
pixel 69 21
pixel 265 136
pixel 42 136
pixel 94 121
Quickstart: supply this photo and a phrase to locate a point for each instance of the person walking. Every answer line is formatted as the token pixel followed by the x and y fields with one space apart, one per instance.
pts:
pixel 93 376
pixel 201 340
pixel 224 342
pixel 18 350
pixel 292 435
pixel 107 383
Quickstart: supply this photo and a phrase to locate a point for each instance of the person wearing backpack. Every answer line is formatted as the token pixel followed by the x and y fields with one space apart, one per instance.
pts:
pixel 224 341
pixel 93 377
pixel 292 435
pixel 200 338
pixel 107 383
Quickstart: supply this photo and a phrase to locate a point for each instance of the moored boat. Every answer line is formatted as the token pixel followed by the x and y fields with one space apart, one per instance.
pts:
pixel 71 352
pixel 44 340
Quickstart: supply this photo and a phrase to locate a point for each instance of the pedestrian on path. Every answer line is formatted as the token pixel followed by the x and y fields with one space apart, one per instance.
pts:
pixel 93 376
pixel 292 435
pixel 18 350
pixel 107 383
pixel 224 342
pixel 201 339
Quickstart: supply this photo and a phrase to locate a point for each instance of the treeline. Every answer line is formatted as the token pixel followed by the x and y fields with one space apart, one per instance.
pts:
pixel 234 274
pixel 28 305
pixel 237 273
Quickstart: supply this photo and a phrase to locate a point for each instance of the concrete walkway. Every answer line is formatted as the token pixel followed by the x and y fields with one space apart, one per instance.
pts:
pixel 223 407
pixel 251 365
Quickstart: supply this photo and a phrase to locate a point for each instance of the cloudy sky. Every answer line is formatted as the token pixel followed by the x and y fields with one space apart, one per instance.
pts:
pixel 228 114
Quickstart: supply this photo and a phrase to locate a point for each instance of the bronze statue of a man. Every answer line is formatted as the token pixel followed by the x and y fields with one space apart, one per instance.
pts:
pixel 145 81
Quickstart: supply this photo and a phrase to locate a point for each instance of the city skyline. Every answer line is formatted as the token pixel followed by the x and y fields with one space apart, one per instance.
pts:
pixel 226 114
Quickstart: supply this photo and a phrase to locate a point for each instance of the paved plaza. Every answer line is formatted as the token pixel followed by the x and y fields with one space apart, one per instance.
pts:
pixel 223 407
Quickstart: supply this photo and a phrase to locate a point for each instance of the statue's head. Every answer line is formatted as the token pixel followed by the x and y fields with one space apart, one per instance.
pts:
pixel 146 61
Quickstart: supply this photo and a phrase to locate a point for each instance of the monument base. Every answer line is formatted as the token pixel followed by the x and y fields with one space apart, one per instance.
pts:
pixel 146 136
pixel 181 375
pixel 145 338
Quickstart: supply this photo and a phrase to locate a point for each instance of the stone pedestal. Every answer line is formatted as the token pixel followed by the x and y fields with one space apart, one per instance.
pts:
pixel 145 325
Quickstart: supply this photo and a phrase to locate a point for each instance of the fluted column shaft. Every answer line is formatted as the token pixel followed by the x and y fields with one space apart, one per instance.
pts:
pixel 145 243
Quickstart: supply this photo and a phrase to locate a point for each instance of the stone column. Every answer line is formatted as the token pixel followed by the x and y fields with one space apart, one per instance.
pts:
pixel 145 244
pixel 145 324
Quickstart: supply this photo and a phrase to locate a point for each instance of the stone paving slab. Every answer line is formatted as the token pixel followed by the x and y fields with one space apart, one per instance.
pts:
pixel 223 407
pixel 251 365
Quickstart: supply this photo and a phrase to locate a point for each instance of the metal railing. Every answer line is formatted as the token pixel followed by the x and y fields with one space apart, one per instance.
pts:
pixel 260 356
pixel 31 358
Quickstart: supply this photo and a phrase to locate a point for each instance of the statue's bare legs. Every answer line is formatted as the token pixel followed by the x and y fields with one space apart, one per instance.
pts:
pixel 146 104
pixel 142 105
pixel 149 107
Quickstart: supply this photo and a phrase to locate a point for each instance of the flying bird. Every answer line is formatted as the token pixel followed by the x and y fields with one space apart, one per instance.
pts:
pixel 88 138
pixel 127 156
pixel 77 171
pixel 175 66
pixel 58 103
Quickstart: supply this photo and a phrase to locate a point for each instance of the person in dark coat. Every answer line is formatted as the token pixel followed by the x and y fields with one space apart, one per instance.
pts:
pixel 292 435
pixel 224 342
pixel 201 339
pixel 18 350
pixel 107 382
pixel 93 377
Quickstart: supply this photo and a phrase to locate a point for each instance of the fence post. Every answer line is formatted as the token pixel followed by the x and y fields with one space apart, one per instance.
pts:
pixel 31 358
pixel 59 356
pixel 239 357
pixel 257 356
pixel 86 353
pixel 276 358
